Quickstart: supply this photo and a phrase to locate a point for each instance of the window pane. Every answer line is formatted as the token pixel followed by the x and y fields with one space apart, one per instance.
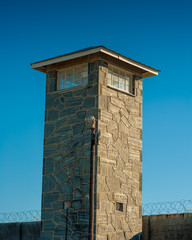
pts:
pixel 120 79
pixel 61 80
pixel 69 78
pixel 73 77
pixel 85 68
pixel 77 73
pixel 122 83
pixel 109 77
pixel 115 82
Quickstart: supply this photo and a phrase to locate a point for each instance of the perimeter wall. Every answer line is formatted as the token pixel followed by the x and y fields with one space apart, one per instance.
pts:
pixel 155 227
pixel 167 227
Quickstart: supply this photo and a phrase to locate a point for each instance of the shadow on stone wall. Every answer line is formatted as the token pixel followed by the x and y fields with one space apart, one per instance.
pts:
pixel 137 237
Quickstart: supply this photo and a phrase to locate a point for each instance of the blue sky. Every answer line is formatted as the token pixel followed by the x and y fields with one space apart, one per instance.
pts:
pixel 157 33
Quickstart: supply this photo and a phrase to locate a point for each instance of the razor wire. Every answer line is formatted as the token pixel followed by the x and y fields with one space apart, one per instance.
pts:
pixel 183 206
pixel 27 216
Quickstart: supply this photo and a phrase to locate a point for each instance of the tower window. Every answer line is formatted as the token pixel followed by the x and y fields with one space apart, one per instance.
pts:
pixel 73 77
pixel 119 206
pixel 121 79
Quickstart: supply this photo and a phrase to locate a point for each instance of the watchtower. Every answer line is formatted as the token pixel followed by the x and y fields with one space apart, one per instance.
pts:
pixel 92 165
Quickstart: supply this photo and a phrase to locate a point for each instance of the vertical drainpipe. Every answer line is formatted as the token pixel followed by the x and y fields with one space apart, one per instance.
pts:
pixel 91 123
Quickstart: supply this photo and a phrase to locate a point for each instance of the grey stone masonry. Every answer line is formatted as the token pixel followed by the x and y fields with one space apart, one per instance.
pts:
pixel 66 166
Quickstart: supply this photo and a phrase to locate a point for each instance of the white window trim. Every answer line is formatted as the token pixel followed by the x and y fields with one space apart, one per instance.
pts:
pixel 65 69
pixel 119 89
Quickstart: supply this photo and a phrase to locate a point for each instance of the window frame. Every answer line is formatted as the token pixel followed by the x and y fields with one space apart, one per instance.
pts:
pixel 59 71
pixel 121 70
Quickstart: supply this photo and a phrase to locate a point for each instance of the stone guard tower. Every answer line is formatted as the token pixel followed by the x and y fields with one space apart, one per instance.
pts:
pixel 92 165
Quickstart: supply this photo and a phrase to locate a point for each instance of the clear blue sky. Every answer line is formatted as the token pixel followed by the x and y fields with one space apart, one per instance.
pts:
pixel 157 33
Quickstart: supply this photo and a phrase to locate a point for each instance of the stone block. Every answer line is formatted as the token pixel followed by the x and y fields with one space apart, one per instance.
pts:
pixel 58 205
pixel 84 166
pixel 49 150
pixel 106 117
pixel 106 170
pixel 77 204
pixel 120 197
pixel 117 102
pixel 67 138
pixel 66 188
pixel 83 217
pixel 108 91
pixel 135 121
pixel 83 228
pixel 113 184
pixel 66 197
pixel 74 144
pixel 112 127
pixel 64 150
pixel 49 129
pixel 49 183
pixel 106 138
pixel 60 231
pixel 46 214
pixel 70 159
pixel 135 143
pixel 88 103
pixel 78 129
pixel 77 194
pixel 73 102
pixel 112 152
pixel 107 161
pixel 49 101
pixel 57 217
pixel 58 157
pixel 126 189
pixel 93 90
pixel 49 198
pixel 132 107
pixel 81 116
pixel 61 122
pixel 76 236
pixel 72 217
pixel 53 140
pixel 135 133
pixel 48 165
pixel 63 131
pixel 102 185
pixel 69 111
pixel 85 188
pixel 76 181
pixel 102 219
pixel 52 115
pixel 48 225
pixel 113 109
pixel 102 150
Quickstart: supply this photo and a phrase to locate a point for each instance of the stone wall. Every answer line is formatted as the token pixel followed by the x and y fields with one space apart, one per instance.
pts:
pixel 66 167
pixel 169 227
pixel 119 166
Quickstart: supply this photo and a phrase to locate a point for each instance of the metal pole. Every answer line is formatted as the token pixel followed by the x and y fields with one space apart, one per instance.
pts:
pixel 92 180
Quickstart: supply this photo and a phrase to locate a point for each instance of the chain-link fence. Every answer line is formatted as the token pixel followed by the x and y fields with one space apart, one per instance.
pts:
pixel 27 216
pixel 183 206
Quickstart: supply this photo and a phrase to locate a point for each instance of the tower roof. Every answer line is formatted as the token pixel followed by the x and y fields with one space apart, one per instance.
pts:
pixel 146 71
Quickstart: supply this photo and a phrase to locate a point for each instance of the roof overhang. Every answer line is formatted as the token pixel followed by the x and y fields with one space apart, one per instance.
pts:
pixel 147 71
